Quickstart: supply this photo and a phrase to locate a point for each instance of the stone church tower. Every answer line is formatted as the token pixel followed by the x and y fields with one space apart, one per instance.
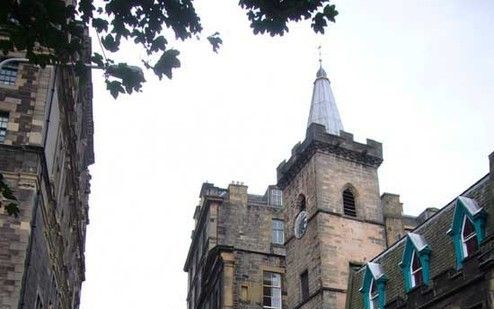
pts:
pixel 333 214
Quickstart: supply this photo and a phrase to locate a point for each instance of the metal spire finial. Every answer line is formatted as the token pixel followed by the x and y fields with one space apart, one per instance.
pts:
pixel 320 55
pixel 320 72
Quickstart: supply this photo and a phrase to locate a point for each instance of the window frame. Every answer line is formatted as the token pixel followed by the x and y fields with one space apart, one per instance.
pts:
pixel 277 231
pixel 349 210
pixel 373 297
pixel 4 123
pixel 273 288
pixel 9 73
pixel 276 196
pixel 465 240
pixel 418 272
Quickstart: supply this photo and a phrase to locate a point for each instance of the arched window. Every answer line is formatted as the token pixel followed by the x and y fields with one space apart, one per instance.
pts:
pixel 415 261
pixel 415 270
pixel 373 286
pixel 301 202
pixel 349 203
pixel 467 228
pixel 468 237
pixel 373 296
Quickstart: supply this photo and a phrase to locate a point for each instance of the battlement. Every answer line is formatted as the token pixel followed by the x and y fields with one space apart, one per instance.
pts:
pixel 317 139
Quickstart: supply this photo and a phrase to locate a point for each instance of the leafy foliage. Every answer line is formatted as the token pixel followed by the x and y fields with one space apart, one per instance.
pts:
pixel 51 32
pixel 7 199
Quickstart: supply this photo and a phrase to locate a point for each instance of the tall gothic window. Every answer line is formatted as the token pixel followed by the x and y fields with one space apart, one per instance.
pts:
pixel 468 237
pixel 301 202
pixel 416 271
pixel 271 290
pixel 349 203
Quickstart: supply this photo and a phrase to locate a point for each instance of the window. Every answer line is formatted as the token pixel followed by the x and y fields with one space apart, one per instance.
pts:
pixel 276 197
pixel 468 237
pixel 271 290
pixel 39 302
pixel 416 271
pixel 277 233
pixel 8 73
pixel 301 203
pixel 374 286
pixel 467 229
pixel 415 262
pixel 304 285
pixel 373 295
pixel 244 293
pixel 349 203
pixel 4 120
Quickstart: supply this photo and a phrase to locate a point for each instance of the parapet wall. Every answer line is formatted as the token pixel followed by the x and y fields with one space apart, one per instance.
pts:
pixel 317 139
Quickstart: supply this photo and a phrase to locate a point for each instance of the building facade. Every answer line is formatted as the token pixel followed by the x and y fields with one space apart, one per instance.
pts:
pixel 445 262
pixel 46 146
pixel 345 245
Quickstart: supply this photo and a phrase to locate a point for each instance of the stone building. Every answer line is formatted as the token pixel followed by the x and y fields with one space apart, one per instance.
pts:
pixel 345 245
pixel 46 146
pixel 237 249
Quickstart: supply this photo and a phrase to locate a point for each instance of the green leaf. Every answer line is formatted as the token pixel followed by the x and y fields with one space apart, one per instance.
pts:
pixel 215 41
pixel 98 60
pixel 110 43
pixel 166 63
pixel 115 88
pixel 100 24
pixel 12 209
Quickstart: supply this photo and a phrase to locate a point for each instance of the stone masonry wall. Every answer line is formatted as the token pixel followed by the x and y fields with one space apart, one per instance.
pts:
pixel 15 232
pixel 45 244
pixel 25 103
pixel 344 241
pixel 335 174
pixel 302 254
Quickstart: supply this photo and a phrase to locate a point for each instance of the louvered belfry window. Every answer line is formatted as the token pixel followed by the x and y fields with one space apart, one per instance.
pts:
pixel 349 203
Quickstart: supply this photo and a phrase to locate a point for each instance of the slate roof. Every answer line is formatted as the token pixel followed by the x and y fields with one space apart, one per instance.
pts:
pixel 434 233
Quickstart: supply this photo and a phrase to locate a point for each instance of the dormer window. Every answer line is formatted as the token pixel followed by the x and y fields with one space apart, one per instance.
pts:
pixel 467 228
pixel 415 261
pixel 374 286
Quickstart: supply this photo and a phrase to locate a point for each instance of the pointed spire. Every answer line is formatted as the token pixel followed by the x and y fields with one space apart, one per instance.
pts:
pixel 323 109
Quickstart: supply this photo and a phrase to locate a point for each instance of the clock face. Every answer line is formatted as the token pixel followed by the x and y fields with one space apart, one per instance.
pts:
pixel 300 224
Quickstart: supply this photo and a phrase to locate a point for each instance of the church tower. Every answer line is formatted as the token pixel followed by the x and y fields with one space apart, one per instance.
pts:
pixel 333 214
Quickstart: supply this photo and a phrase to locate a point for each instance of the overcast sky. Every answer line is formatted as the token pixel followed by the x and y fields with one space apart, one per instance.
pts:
pixel 416 76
